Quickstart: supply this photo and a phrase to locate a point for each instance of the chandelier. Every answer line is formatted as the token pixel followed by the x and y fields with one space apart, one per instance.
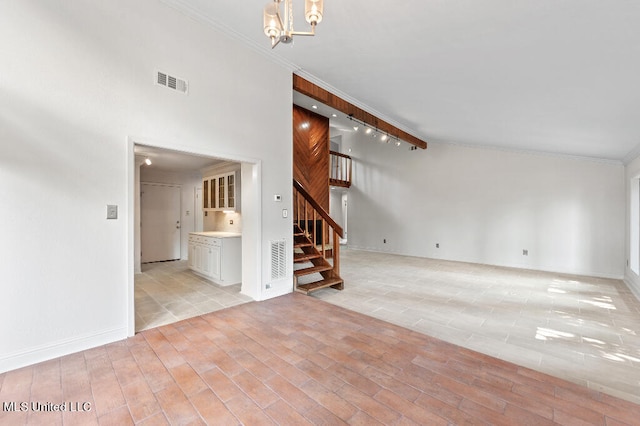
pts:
pixel 281 30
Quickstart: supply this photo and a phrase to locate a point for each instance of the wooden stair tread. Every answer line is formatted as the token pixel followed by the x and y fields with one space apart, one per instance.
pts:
pixel 312 270
pixel 317 285
pixel 303 244
pixel 304 257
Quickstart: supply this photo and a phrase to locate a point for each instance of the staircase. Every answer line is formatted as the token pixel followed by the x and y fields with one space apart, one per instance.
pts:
pixel 316 245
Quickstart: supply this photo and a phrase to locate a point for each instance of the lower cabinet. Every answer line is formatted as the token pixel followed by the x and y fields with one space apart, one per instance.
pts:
pixel 218 259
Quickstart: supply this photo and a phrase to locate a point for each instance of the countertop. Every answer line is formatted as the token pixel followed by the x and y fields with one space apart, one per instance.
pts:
pixel 217 234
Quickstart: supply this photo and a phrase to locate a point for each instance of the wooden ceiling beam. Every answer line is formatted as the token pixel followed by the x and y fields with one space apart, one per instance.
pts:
pixel 313 91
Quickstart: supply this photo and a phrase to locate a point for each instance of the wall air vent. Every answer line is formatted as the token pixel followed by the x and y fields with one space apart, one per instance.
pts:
pixel 175 83
pixel 278 259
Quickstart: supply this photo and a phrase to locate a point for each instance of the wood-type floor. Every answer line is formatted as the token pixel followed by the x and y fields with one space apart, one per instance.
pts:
pixel 296 360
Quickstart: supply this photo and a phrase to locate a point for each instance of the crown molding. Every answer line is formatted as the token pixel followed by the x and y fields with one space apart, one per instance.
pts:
pixel 529 152
pixel 632 155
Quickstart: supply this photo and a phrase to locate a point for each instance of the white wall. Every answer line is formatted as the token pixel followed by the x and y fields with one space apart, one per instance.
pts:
pixel 335 206
pixel 76 91
pixel 486 206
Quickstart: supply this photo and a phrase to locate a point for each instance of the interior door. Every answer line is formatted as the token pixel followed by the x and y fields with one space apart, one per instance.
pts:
pixel 159 222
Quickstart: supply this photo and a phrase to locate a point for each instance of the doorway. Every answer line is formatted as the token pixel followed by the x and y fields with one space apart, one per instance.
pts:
pixel 180 293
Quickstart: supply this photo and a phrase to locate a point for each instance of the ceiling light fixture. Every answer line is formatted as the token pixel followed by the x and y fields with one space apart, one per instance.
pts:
pixel 385 137
pixel 281 30
pixel 147 161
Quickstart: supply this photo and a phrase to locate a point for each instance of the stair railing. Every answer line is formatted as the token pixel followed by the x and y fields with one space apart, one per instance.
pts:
pixel 306 210
pixel 340 167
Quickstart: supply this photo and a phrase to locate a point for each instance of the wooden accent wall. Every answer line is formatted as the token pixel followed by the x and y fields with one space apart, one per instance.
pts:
pixel 311 153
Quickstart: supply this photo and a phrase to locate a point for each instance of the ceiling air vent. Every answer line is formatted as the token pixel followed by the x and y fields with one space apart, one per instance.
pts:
pixel 175 83
pixel 278 260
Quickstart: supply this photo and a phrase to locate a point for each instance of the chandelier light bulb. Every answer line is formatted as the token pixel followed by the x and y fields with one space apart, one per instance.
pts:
pixel 313 11
pixel 272 25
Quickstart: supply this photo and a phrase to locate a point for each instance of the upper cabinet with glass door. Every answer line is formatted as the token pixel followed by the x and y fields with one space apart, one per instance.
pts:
pixel 220 192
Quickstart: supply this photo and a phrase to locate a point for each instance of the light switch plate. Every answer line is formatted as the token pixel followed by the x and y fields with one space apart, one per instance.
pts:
pixel 112 211
pixel 285 213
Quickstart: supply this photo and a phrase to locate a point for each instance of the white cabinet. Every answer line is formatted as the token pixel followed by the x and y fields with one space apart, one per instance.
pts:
pixel 220 192
pixel 192 256
pixel 216 256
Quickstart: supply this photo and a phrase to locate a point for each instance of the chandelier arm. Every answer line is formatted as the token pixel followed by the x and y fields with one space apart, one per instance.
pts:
pixel 280 19
pixel 289 12
pixel 300 33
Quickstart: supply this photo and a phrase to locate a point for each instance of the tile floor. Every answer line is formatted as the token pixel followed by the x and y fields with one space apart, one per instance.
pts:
pixel 582 329
pixel 296 360
pixel 166 292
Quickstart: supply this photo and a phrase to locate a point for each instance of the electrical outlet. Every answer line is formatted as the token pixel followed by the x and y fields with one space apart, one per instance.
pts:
pixel 230 221
pixel 437 245
pixel 525 252
pixel 384 241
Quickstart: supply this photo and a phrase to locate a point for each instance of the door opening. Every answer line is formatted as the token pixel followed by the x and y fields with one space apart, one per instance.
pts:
pixel 167 207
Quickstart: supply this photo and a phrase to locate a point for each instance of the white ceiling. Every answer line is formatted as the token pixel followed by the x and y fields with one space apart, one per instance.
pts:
pixel 174 161
pixel 537 75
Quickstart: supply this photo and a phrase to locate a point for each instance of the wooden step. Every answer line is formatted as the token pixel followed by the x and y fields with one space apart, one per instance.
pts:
pixel 303 244
pixel 317 285
pixel 312 270
pixel 299 257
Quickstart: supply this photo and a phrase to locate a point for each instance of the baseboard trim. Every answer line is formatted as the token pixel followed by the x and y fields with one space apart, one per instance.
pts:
pixel 277 288
pixel 632 281
pixel 511 266
pixel 68 346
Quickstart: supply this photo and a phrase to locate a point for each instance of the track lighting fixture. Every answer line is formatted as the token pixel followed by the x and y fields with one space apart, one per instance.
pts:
pixel 373 131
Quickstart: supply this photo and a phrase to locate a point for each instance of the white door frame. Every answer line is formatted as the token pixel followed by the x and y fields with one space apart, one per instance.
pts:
pixel 251 200
pixel 198 218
